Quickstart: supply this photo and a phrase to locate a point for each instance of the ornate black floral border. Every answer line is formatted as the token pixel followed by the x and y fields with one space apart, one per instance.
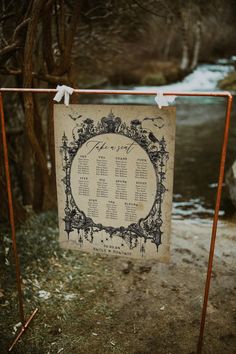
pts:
pixel 136 234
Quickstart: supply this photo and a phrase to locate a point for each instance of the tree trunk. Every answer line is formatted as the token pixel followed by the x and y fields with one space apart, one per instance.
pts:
pixel 27 170
pixel 168 45
pixel 197 45
pixel 51 149
pixel 184 65
pixel 41 165
pixel 38 188
pixel 24 169
pixel 19 211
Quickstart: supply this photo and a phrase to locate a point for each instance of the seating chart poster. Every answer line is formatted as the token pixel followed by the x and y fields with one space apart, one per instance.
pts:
pixel 114 167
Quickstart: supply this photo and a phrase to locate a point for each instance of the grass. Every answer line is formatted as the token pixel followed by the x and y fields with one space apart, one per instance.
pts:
pixel 66 287
pixel 87 305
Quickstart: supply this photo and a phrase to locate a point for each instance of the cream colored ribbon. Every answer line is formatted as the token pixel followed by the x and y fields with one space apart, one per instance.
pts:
pixel 162 100
pixel 63 90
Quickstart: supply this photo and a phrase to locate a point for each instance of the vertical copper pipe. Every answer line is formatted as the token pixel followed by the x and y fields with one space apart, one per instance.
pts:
pixel 215 221
pixel 11 213
pixel 23 329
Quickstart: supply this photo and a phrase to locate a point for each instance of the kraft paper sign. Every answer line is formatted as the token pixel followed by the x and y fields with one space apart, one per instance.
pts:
pixel 114 167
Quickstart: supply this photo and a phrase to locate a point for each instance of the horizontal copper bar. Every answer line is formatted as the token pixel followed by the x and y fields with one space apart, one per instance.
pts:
pixel 123 92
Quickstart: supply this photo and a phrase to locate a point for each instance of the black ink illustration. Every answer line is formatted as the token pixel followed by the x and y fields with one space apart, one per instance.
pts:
pixel 75 118
pixel 147 228
pixel 157 121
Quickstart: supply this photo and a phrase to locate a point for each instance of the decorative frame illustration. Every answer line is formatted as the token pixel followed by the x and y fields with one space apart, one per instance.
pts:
pixel 148 228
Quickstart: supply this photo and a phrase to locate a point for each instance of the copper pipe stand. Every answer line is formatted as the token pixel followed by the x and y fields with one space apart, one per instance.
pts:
pixel 23 329
pixel 224 94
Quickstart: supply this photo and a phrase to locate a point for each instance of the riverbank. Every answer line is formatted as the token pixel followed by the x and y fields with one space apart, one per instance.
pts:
pixel 95 304
pixel 229 82
pixel 166 74
pixel 147 73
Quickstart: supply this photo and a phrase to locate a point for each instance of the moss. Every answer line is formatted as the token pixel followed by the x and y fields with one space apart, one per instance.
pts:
pixel 147 72
pixel 229 82
pixel 124 77
pixel 153 79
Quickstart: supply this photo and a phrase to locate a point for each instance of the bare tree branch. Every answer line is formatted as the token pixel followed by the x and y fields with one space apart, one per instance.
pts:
pixel 148 10
pixel 6 17
pixel 16 43
pixel 19 28
pixel 47 38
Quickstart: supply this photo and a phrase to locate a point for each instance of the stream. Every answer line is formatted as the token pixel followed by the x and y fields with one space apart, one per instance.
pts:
pixel 199 134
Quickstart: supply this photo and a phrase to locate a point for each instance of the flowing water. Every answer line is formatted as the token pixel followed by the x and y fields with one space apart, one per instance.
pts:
pixel 199 134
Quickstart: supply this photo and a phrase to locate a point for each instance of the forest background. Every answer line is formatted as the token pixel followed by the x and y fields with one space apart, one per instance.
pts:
pixel 86 44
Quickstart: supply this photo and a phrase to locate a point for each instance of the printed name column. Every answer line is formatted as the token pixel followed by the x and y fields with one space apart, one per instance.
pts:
pixel 140 177
pixel 83 172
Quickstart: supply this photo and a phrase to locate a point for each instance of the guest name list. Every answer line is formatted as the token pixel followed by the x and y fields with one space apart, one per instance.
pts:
pixel 113 180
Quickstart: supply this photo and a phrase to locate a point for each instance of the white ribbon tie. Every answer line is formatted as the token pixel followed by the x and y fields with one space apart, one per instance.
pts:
pixel 63 90
pixel 162 100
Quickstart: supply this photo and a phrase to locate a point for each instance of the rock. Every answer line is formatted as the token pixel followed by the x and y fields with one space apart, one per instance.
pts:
pixel 145 269
pixel 153 79
pixel 126 267
pixel 230 180
pixel 211 308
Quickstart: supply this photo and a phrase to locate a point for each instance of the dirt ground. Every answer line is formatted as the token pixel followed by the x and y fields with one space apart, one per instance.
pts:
pixel 95 304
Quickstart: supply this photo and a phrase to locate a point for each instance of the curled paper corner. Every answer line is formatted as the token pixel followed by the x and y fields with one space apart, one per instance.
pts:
pixel 162 100
pixel 63 90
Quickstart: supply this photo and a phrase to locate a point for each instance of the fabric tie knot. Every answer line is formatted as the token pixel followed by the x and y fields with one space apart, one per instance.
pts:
pixel 63 90
pixel 162 100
